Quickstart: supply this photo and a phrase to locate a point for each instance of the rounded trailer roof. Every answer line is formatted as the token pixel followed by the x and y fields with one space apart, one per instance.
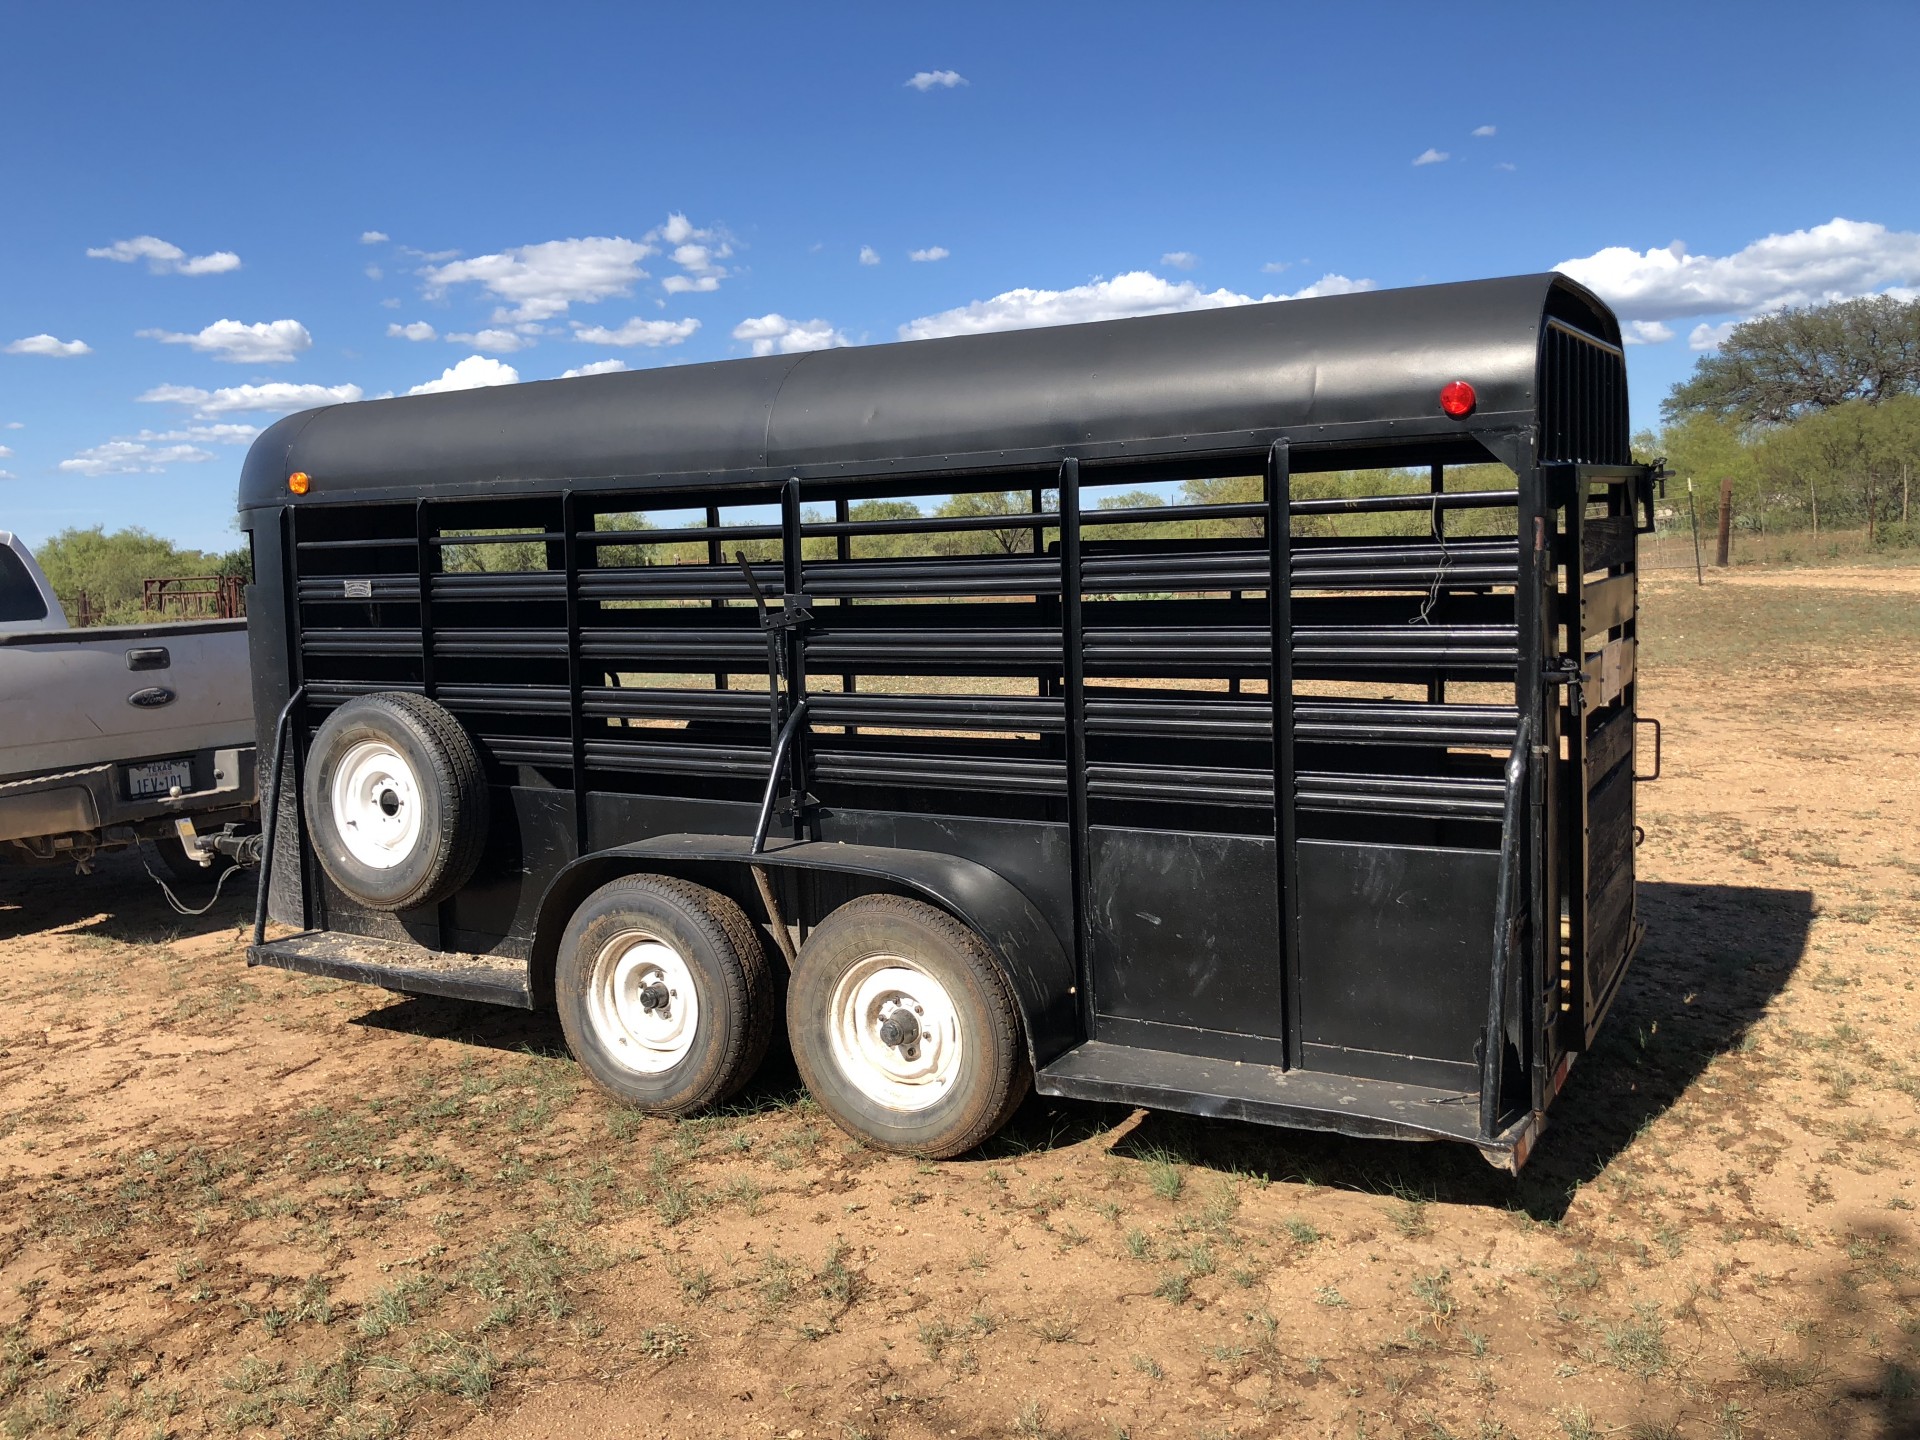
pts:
pixel 1333 369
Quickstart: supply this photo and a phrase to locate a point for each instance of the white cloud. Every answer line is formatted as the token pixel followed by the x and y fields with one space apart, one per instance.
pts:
pixel 15 425
pixel 598 367
pixel 538 282
pixel 374 272
pixel 268 342
pixel 1431 156
pixel 1646 332
pixel 696 251
pixel 931 253
pixel 473 373
pixel 48 345
pixel 132 457
pixel 776 334
pixel 1180 259
pixel 1276 267
pixel 166 259
pixel 1139 292
pixel 276 396
pixel 925 80
pixel 1710 337
pixel 1506 165
pixel 1484 132
pixel 5 451
pixel 651 333
pixel 223 433
pixel 374 237
pixel 869 255
pixel 1834 261
pixel 414 330
pixel 8 475
pixel 498 342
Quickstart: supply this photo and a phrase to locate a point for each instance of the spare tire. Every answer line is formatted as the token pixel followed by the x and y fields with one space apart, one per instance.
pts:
pixel 395 801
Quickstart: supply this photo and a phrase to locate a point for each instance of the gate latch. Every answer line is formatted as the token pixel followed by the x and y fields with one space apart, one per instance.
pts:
pixel 1566 671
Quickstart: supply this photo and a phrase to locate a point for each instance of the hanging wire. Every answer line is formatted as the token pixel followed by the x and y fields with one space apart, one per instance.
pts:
pixel 174 900
pixel 1440 570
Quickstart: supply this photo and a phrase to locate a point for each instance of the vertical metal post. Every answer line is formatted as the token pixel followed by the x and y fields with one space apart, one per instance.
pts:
pixel 716 557
pixel 576 706
pixel 1074 671
pixel 1540 541
pixel 1279 526
pixel 1437 485
pixel 843 548
pixel 427 562
pixel 793 580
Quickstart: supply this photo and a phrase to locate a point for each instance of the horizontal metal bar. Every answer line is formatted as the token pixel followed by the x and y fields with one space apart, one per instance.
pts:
pixel 943 772
pixel 678 536
pixel 940 712
pixel 929 524
pixel 372 542
pixel 1438 797
pixel 529 537
pixel 378 641
pixel 642 703
pixel 1184 784
pixel 1211 717
pixel 1171 514
pixel 1385 504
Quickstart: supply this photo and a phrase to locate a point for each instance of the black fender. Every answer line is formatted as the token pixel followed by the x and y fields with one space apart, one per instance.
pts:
pixel 1024 945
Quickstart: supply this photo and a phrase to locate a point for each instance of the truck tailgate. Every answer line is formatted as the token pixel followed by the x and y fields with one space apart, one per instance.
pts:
pixel 70 698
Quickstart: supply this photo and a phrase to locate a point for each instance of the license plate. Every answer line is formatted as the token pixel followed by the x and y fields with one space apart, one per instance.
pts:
pixel 158 777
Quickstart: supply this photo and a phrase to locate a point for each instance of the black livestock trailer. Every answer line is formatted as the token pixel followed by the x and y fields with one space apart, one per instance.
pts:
pixel 1228 712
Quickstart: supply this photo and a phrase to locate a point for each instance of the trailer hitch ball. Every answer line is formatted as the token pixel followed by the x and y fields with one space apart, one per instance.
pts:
pixel 654 997
pixel 899 1029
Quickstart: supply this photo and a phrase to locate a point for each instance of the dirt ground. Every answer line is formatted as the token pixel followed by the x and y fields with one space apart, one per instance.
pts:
pixel 247 1202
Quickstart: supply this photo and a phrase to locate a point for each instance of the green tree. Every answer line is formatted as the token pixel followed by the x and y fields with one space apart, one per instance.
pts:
pixel 1779 367
pixel 109 568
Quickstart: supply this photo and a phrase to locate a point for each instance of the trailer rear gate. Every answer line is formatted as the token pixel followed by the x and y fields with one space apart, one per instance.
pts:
pixel 1302 932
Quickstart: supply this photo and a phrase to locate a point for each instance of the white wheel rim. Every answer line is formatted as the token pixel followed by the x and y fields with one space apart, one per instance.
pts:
pixel 642 1002
pixel 376 805
pixel 907 1073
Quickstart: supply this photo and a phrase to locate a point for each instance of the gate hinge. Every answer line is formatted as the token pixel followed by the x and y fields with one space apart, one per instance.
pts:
pixel 1566 671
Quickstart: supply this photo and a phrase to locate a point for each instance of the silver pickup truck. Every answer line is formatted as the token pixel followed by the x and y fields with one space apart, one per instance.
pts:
pixel 114 734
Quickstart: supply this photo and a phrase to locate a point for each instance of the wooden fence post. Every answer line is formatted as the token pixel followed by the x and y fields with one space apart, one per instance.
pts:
pixel 1726 521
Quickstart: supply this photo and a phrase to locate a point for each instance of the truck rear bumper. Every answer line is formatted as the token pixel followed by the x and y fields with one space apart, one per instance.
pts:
pixel 94 801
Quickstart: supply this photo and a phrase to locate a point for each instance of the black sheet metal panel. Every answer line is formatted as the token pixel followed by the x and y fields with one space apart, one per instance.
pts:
pixel 1360 366
pixel 1395 943
pixel 1268 1094
pixel 1203 977
pixel 1040 970
pixel 410 969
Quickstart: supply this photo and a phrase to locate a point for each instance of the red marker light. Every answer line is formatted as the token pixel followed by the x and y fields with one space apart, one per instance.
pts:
pixel 1457 398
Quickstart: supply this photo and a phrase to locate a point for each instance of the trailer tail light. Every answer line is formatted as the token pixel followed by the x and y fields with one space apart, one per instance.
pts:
pixel 299 482
pixel 1457 398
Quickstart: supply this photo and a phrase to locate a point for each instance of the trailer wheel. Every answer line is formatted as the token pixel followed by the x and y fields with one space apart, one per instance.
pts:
pixel 904 1029
pixel 664 993
pixel 395 800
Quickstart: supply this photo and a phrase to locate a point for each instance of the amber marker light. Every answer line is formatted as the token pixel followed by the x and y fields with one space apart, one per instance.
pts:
pixel 1457 398
pixel 299 482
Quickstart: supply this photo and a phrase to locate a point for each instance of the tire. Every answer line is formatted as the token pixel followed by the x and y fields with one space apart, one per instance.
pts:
pixel 670 1058
pixel 395 801
pixel 937 1087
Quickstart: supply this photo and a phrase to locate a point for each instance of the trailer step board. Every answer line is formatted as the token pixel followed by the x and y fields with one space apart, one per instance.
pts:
pixel 410 969
pixel 1266 1094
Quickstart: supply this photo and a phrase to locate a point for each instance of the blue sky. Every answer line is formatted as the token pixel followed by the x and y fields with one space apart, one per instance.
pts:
pixel 728 166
